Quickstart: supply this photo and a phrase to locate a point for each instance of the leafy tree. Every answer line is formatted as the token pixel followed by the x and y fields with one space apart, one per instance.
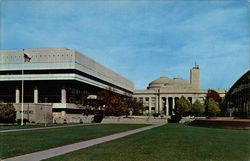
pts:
pixel 134 105
pixel 114 102
pixel 198 108
pixel 7 113
pixel 213 107
pixel 182 106
pixel 214 95
pixel 117 105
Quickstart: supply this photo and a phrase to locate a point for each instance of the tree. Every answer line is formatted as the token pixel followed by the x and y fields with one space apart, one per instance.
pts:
pixel 213 107
pixel 198 108
pixel 134 105
pixel 114 102
pixel 214 95
pixel 7 113
pixel 182 106
pixel 117 105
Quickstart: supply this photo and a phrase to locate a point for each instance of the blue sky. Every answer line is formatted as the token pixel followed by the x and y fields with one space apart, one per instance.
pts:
pixel 141 40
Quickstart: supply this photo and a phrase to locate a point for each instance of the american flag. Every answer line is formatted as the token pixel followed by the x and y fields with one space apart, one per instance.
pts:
pixel 26 58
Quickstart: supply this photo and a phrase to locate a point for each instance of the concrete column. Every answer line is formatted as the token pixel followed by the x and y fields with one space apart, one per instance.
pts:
pixel 35 94
pixel 173 102
pixel 17 95
pixel 167 107
pixel 143 100
pixel 156 103
pixel 63 95
pixel 160 104
pixel 149 105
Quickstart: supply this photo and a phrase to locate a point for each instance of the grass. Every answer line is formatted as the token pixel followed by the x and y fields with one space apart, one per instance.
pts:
pixel 18 143
pixel 171 142
pixel 15 126
pixel 10 127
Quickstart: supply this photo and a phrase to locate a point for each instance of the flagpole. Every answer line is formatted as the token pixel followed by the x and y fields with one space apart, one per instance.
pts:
pixel 22 90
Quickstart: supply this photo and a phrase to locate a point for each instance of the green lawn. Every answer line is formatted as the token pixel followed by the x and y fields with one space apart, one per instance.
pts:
pixel 17 143
pixel 10 127
pixel 171 142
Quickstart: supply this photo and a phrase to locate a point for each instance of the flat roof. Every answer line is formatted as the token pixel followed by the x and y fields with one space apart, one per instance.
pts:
pixel 58 59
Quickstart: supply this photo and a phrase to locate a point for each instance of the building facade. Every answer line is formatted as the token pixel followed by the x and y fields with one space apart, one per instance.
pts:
pixel 58 76
pixel 237 99
pixel 162 93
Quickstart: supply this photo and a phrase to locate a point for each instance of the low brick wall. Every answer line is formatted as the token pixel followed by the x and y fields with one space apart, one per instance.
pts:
pixel 233 123
pixel 77 118
pixel 135 120
pixel 220 118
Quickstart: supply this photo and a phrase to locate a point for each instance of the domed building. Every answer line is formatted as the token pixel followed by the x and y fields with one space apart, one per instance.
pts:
pixel 165 82
pixel 162 93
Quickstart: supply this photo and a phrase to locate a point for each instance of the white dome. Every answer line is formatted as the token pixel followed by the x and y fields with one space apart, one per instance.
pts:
pixel 165 82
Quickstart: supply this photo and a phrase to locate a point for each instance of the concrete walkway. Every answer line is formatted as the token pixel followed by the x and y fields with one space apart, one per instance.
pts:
pixel 36 156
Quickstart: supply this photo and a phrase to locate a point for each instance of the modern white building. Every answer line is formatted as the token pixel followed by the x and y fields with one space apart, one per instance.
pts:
pixel 162 93
pixel 58 76
pixel 59 79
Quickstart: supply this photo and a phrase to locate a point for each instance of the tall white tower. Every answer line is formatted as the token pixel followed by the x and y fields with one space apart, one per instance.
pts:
pixel 195 77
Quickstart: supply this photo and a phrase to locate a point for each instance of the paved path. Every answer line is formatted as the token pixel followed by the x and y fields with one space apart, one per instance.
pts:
pixel 76 146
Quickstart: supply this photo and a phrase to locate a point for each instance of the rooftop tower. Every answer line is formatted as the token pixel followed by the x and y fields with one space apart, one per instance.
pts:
pixel 195 77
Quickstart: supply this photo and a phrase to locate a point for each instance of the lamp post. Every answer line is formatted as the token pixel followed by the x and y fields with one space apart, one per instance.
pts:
pixel 103 113
pixel 45 112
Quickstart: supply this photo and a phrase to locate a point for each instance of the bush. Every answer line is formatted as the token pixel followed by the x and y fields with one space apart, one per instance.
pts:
pixel 175 119
pixel 18 121
pixel 7 113
pixel 98 118
pixel 156 114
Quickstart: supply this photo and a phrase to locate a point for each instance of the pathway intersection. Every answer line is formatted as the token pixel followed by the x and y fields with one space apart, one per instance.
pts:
pixel 36 156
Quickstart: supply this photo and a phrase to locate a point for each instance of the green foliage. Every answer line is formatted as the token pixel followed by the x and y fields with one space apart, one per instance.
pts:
pixel 7 113
pixel 213 107
pixel 182 106
pixel 175 118
pixel 18 121
pixel 98 118
pixel 198 108
pixel 156 114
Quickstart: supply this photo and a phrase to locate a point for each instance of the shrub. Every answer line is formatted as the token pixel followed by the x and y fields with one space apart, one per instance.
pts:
pixel 175 118
pixel 7 113
pixel 98 118
pixel 156 114
pixel 18 121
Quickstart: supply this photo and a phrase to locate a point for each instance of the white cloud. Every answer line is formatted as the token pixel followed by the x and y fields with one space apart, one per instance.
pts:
pixel 140 40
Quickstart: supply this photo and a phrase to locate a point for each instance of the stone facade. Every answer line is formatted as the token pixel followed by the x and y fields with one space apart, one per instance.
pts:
pixel 162 93
pixel 37 113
